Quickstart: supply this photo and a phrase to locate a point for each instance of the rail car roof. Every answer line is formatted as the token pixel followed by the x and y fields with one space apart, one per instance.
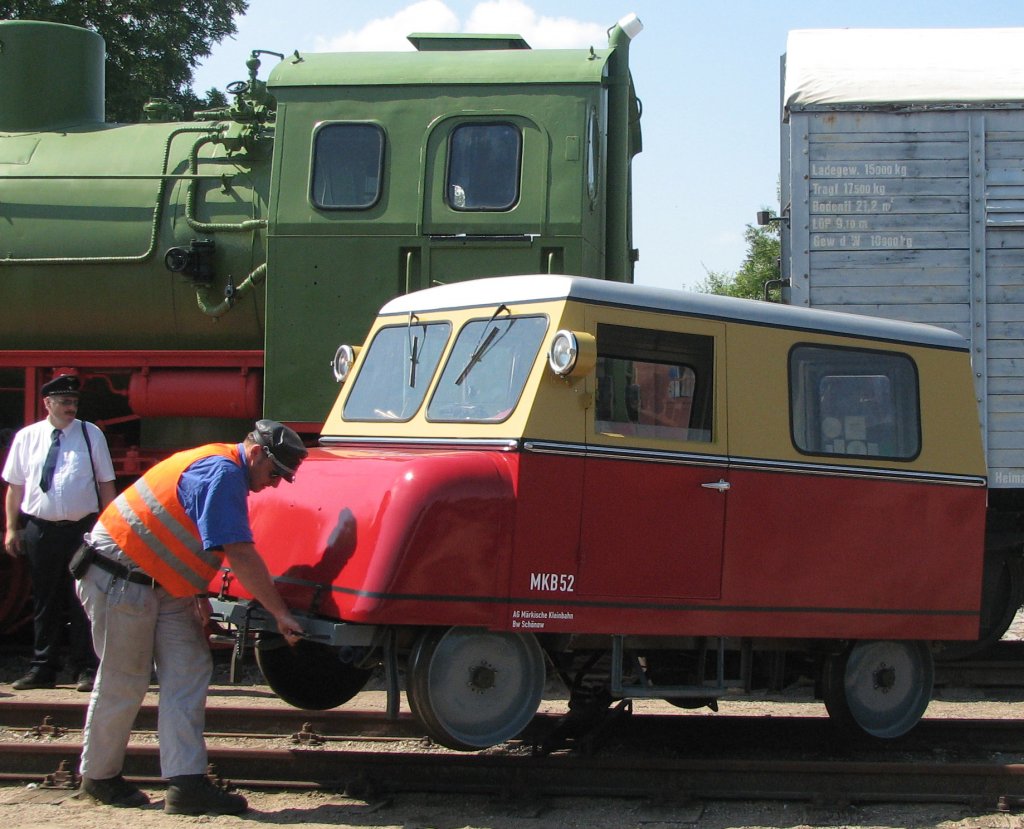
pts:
pixel 538 288
pixel 903 66
pixel 502 66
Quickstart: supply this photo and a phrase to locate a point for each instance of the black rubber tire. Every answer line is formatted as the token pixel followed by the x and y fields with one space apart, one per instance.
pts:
pixel 308 675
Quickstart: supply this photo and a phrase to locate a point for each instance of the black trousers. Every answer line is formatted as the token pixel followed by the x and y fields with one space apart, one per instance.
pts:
pixel 55 607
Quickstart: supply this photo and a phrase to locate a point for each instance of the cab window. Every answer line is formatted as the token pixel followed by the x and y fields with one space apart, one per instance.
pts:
pixel 487 370
pixel 348 166
pixel 396 372
pixel 484 162
pixel 654 384
pixel 854 402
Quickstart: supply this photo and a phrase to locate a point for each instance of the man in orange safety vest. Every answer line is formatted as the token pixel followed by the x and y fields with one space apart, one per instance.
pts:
pixel 143 575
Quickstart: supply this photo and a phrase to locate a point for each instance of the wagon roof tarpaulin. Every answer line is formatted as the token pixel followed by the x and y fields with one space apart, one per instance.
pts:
pixel 903 66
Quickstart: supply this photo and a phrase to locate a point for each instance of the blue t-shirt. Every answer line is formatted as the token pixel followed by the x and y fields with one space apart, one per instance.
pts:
pixel 215 493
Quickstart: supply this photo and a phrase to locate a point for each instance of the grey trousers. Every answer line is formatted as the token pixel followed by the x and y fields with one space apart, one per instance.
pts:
pixel 133 628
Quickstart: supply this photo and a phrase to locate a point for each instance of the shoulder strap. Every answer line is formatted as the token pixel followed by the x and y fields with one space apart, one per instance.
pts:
pixel 92 468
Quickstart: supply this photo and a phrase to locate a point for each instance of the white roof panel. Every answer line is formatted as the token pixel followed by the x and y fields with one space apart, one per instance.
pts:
pixel 489 291
pixel 903 66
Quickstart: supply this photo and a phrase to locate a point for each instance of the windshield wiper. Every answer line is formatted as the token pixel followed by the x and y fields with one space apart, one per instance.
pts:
pixel 481 346
pixel 414 347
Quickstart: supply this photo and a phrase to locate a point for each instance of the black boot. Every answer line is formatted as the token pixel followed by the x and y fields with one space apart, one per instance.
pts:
pixel 195 794
pixel 115 791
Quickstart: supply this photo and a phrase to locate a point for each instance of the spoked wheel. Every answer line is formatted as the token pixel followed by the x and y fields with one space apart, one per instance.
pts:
pixel 308 674
pixel 879 688
pixel 472 688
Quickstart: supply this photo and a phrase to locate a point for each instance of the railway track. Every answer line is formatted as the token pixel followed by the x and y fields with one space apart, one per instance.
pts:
pixel 373 774
pixel 975 762
pixel 702 733
pixel 679 757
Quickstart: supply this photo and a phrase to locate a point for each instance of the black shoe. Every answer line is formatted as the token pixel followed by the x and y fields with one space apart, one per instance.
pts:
pixel 195 794
pixel 115 791
pixel 35 678
pixel 85 680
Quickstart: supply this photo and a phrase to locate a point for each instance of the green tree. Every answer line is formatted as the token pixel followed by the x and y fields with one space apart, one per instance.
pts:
pixel 760 265
pixel 153 46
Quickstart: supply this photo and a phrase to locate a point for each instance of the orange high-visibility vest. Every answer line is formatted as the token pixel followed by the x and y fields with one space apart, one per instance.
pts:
pixel 151 526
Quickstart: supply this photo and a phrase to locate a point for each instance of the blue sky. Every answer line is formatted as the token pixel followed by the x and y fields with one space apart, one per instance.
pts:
pixel 707 73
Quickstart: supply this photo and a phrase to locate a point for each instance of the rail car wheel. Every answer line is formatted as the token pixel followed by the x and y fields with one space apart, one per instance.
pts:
pixel 472 688
pixel 308 674
pixel 879 688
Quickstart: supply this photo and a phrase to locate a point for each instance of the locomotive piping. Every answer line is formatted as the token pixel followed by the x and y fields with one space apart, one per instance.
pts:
pixel 190 199
pixel 247 284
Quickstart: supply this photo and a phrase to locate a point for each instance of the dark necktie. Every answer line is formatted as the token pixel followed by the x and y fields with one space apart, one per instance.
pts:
pixel 50 464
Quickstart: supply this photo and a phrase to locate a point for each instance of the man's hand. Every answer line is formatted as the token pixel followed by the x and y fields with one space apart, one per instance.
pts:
pixel 12 542
pixel 252 572
pixel 290 629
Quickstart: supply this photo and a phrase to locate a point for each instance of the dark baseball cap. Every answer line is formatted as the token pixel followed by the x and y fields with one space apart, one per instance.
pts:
pixel 282 445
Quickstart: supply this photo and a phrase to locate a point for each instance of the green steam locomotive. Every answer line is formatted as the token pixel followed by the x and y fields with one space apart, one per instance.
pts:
pixel 198 274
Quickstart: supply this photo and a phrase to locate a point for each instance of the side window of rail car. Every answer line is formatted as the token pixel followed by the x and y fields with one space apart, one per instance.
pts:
pixel 654 384
pixel 348 166
pixel 852 402
pixel 484 162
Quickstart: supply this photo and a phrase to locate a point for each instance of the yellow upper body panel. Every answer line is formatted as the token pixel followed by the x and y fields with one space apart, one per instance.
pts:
pixel 675 372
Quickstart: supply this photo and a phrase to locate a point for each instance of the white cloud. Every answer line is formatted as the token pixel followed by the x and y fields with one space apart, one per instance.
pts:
pixel 488 17
pixel 516 17
pixel 386 34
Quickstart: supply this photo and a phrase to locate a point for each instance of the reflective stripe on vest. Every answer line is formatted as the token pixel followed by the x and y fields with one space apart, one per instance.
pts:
pixel 148 522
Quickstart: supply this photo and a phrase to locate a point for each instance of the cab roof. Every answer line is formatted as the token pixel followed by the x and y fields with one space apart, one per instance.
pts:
pixel 425 68
pixel 489 292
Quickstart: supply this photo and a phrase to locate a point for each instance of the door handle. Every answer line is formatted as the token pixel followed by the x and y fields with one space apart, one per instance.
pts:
pixel 718 486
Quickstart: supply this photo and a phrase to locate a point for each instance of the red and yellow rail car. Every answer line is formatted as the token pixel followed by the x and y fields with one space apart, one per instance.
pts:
pixel 666 494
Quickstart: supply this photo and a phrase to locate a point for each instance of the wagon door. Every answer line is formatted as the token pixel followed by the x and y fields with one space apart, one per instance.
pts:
pixel 655 473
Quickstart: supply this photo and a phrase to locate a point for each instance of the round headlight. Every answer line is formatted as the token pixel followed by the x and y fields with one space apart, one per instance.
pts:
pixel 344 359
pixel 564 351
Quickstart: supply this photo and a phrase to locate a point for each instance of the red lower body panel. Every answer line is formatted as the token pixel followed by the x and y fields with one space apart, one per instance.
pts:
pixel 560 543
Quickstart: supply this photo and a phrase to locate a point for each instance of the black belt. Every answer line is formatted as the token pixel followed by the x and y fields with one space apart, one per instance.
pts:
pixel 123 572
pixel 44 522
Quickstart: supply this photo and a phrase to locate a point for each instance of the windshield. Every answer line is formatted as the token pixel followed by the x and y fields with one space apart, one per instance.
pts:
pixel 487 369
pixel 397 370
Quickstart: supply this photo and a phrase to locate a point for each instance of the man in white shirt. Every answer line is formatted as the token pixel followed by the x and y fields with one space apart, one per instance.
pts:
pixel 59 477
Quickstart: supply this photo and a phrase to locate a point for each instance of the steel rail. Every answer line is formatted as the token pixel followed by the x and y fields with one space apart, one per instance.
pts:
pixel 371 774
pixel 692 733
pixel 28 713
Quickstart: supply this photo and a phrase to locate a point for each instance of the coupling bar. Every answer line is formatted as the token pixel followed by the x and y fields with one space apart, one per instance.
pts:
pixel 250 615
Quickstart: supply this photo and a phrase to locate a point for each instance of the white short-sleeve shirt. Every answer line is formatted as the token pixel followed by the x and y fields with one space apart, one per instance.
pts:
pixel 72 495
